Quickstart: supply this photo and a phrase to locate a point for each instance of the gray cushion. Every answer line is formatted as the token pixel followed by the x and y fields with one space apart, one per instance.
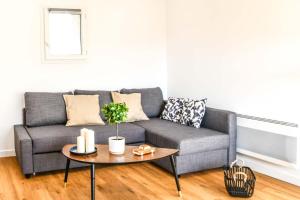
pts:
pixel 104 97
pixel 53 138
pixel 152 100
pixel 45 108
pixel 187 139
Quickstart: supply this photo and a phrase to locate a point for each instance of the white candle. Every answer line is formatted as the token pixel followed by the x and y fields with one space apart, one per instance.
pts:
pixel 80 144
pixel 83 131
pixel 89 141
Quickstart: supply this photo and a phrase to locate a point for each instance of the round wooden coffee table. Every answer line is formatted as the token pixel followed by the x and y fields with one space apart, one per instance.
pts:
pixel 104 157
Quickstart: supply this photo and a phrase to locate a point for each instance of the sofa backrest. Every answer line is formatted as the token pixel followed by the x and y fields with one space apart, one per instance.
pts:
pixel 152 100
pixel 43 108
pixel 104 97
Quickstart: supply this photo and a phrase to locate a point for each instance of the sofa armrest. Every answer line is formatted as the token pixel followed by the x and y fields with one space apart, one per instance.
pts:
pixel 223 121
pixel 23 148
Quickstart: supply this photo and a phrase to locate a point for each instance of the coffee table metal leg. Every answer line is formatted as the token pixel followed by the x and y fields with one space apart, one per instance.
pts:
pixel 92 181
pixel 175 175
pixel 67 172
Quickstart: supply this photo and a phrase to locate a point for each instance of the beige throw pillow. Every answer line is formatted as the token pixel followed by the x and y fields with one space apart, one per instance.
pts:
pixel 83 110
pixel 134 104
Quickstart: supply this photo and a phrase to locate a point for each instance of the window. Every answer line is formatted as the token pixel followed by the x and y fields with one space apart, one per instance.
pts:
pixel 64 34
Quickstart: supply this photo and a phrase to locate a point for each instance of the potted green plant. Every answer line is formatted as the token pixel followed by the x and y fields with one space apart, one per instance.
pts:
pixel 116 113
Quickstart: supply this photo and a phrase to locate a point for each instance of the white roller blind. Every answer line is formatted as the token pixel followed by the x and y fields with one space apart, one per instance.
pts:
pixel 65 32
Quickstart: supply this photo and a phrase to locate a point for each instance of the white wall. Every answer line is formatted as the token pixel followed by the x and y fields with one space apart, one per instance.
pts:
pixel 126 48
pixel 242 55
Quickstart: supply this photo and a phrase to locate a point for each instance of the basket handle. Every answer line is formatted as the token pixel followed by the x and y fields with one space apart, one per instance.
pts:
pixel 238 162
pixel 240 173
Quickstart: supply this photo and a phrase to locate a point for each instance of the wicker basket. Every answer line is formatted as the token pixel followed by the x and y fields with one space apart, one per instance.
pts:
pixel 239 180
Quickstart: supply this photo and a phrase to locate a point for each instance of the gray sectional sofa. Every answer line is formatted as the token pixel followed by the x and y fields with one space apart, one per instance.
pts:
pixel 39 140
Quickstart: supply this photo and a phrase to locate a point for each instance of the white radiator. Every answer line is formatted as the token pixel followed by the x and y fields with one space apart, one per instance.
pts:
pixel 272 121
pixel 269 140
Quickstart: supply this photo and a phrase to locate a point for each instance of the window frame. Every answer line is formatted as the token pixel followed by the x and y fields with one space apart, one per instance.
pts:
pixel 47 57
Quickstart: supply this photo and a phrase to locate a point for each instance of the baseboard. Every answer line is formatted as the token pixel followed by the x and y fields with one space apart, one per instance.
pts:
pixel 266 158
pixel 283 173
pixel 7 153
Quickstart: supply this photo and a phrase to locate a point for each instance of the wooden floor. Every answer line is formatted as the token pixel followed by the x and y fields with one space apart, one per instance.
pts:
pixel 129 182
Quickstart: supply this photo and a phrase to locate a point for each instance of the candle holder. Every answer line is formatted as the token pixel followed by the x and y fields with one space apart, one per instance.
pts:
pixel 73 150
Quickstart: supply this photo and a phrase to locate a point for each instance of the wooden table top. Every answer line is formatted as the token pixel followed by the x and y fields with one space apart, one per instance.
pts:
pixel 104 157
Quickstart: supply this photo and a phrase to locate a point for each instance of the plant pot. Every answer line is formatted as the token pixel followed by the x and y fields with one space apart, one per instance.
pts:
pixel 116 145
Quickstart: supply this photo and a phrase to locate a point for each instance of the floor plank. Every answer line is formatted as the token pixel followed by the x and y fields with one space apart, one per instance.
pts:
pixel 129 182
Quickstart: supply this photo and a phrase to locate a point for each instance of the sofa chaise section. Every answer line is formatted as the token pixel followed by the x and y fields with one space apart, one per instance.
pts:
pixel 211 146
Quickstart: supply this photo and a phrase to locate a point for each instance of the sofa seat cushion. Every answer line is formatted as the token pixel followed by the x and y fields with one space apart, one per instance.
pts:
pixel 187 139
pixel 52 138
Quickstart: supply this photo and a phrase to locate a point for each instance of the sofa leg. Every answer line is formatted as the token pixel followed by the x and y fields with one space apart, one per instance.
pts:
pixel 28 176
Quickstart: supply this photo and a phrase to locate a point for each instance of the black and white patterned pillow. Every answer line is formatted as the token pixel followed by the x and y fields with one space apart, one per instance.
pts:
pixel 193 112
pixel 173 110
